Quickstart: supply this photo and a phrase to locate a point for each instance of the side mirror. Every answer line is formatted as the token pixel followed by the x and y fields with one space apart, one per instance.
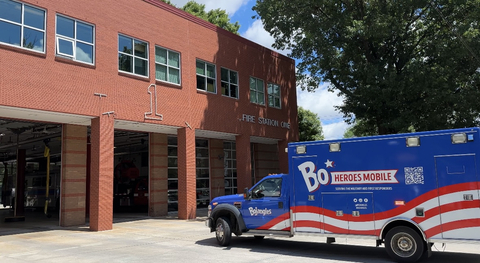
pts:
pixel 246 195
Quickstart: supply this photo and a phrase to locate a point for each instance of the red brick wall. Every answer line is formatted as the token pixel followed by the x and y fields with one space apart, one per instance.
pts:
pixel 74 171
pixel 266 160
pixel 46 82
pixel 217 181
pixel 187 198
pixel 101 179
pixel 158 178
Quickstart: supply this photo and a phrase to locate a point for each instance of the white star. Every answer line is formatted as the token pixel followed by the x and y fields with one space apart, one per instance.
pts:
pixel 329 163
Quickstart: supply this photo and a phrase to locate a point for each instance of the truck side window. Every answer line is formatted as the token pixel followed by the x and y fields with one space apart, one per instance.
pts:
pixel 268 188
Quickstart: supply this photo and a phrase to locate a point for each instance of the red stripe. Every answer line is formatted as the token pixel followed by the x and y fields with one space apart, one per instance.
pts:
pixel 308 223
pixel 275 221
pixel 395 211
pixel 452 226
pixel 392 212
pixel 447 208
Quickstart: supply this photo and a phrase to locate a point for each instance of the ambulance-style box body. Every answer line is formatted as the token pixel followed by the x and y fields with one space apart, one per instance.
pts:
pixel 406 191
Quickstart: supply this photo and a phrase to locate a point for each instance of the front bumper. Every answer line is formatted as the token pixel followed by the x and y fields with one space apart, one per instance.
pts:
pixel 209 223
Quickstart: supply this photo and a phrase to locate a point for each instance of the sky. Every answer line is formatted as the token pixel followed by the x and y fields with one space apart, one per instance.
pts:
pixel 320 102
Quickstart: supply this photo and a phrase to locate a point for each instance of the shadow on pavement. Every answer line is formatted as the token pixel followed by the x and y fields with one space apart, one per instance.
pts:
pixel 344 252
pixel 37 221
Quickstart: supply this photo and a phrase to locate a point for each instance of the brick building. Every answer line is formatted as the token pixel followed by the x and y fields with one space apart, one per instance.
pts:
pixel 82 76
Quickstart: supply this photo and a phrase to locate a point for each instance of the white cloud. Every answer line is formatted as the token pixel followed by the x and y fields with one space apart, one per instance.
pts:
pixel 231 6
pixel 322 102
pixel 259 35
pixel 334 130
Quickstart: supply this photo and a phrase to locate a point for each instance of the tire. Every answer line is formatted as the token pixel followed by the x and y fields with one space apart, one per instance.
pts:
pixel 223 231
pixel 404 245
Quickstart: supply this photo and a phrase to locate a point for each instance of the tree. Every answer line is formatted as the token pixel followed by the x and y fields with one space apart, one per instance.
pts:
pixel 217 16
pixel 359 129
pixel 309 126
pixel 168 2
pixel 398 64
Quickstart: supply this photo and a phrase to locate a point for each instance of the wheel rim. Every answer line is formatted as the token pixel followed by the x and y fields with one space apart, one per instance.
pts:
pixel 403 245
pixel 220 231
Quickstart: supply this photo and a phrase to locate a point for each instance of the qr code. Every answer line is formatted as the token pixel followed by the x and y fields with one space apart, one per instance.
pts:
pixel 413 175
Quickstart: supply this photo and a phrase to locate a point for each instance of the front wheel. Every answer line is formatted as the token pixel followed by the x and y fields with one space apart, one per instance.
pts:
pixel 223 231
pixel 404 244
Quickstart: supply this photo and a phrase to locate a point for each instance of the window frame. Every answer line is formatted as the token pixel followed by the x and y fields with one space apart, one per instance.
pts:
pixel 74 40
pixel 147 59
pixel 257 91
pixel 169 66
pixel 229 83
pixel 279 96
pixel 206 76
pixel 23 26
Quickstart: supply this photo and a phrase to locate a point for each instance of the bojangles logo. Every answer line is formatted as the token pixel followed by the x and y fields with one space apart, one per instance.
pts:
pixel 313 179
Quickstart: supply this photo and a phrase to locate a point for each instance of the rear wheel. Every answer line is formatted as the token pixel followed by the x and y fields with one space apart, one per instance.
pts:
pixel 223 231
pixel 404 244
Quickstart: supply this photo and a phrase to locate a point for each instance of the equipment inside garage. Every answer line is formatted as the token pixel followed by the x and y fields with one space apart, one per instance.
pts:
pixel 130 184
pixel 30 155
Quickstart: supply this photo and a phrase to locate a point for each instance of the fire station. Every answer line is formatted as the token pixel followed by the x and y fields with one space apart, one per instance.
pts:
pixel 133 106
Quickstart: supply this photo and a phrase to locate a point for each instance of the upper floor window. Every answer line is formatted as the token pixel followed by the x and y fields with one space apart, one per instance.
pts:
pixel 257 92
pixel 274 95
pixel 167 65
pixel 132 55
pixel 75 39
pixel 206 77
pixel 22 25
pixel 229 83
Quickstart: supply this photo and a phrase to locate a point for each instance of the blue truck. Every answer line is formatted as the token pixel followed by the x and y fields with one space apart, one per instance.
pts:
pixel 405 191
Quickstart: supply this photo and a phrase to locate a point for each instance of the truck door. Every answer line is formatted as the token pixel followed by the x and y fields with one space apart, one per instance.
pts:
pixel 267 207
pixel 458 196
pixel 348 213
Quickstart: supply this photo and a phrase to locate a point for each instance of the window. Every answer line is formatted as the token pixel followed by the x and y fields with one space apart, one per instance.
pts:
pixel 206 77
pixel 230 167
pixel 75 39
pixel 274 95
pixel 22 25
pixel 132 55
pixel 203 172
pixel 172 174
pixel 268 188
pixel 167 65
pixel 229 83
pixel 257 92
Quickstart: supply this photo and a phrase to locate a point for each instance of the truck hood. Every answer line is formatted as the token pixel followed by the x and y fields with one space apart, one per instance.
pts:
pixel 228 199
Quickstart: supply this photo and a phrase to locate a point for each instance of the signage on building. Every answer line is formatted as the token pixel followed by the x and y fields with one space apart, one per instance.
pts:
pixel 264 121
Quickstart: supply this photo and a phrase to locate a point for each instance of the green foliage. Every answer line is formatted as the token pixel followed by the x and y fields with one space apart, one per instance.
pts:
pixel 359 129
pixel 168 2
pixel 217 17
pixel 309 126
pixel 399 65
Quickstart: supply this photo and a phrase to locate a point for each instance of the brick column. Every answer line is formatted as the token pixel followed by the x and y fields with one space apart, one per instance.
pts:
pixel 101 180
pixel 187 199
pixel 158 178
pixel 244 163
pixel 74 175
pixel 217 179
pixel 283 156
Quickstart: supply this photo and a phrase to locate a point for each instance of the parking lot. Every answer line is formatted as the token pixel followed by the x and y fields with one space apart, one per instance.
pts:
pixel 137 238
